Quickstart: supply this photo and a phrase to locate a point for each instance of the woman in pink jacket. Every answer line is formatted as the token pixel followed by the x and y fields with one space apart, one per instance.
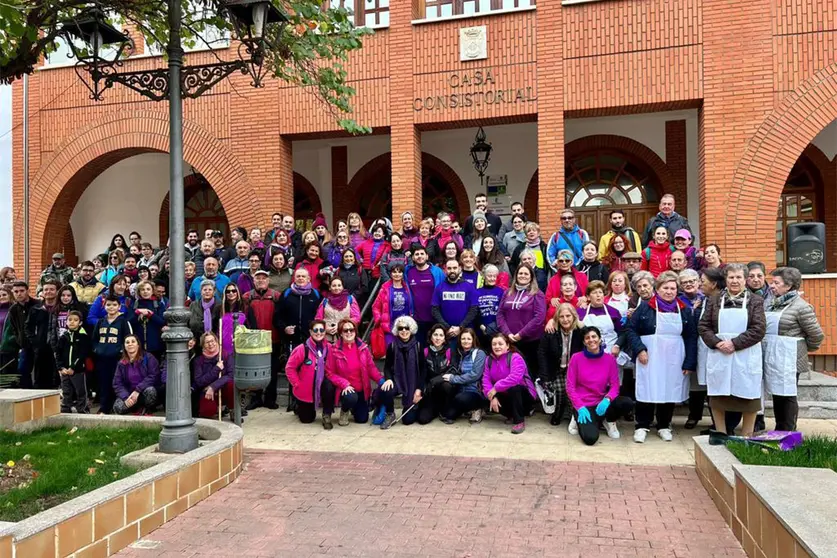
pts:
pixel 306 374
pixel 393 301
pixel 372 250
pixel 350 367
pixel 506 383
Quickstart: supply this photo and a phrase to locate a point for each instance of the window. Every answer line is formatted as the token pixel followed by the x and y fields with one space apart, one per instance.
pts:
pixel 798 204
pixel 435 9
pixel 366 13
pixel 604 179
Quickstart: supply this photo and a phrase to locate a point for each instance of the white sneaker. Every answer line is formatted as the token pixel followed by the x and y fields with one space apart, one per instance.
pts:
pixel 612 430
pixel 665 434
pixel 476 416
pixel 573 427
pixel 640 434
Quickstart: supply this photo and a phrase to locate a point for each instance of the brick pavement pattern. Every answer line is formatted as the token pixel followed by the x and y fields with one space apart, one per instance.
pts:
pixel 339 504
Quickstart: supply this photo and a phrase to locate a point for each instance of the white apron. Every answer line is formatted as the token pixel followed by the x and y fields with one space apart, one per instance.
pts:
pixel 662 379
pixel 738 374
pixel 702 352
pixel 779 358
pixel 609 336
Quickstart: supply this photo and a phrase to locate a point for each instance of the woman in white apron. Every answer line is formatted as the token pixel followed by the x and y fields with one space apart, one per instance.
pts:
pixel 662 335
pixel 605 318
pixel 689 283
pixel 792 332
pixel 733 327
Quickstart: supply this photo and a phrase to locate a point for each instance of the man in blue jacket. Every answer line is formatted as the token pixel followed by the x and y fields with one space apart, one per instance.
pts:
pixel 210 271
pixel 569 237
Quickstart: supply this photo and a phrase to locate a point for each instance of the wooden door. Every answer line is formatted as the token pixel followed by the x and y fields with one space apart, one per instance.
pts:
pixel 597 221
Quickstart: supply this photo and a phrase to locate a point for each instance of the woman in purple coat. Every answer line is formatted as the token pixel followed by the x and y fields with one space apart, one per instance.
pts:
pixel 506 383
pixel 136 379
pixel 521 314
pixel 212 375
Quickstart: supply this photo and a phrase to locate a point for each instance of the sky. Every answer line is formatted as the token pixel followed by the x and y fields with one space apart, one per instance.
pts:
pixel 5 175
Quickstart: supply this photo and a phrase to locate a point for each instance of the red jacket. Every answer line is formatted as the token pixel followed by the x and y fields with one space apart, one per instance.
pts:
pixel 553 290
pixel 313 271
pixel 335 365
pixel 260 308
pixel 380 308
pixel 656 258
pixel 364 251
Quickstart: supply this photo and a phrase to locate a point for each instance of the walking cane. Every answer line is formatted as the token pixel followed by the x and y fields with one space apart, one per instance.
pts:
pixel 403 413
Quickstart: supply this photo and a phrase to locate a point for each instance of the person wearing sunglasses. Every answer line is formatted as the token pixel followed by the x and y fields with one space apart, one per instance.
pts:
pixel 569 237
pixel 351 368
pixel 405 364
pixel 306 375
pixel 246 281
pixel 233 313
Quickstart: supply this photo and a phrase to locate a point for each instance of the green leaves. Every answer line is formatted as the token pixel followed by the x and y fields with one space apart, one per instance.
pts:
pixel 309 51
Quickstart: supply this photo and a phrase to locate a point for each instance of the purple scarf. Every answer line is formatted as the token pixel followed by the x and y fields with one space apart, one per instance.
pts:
pixel 663 306
pixel 301 291
pixel 338 301
pixel 207 314
pixel 319 367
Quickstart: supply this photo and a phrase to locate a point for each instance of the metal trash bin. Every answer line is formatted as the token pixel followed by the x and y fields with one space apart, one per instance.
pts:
pixel 253 348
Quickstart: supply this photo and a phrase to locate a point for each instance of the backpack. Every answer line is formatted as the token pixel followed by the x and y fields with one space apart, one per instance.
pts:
pixel 508 360
pixel 647 251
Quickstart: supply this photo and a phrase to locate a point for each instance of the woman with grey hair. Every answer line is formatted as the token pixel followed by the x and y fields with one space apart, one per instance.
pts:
pixel 203 313
pixel 405 366
pixel 643 285
pixel 688 283
pixel 733 327
pixel 792 332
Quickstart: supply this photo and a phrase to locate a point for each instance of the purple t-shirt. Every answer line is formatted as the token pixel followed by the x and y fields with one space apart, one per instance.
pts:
pixel 454 300
pixel 398 306
pixel 422 285
pixel 471 277
pixel 488 299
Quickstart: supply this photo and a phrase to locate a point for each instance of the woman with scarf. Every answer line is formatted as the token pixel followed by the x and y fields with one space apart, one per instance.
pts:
pixel 593 390
pixel 233 313
pixel 466 378
pixel 590 265
pixel 338 304
pixel 491 254
pixel 396 255
pixel 445 234
pixel 113 269
pixel 393 301
pixel 296 308
pixel 488 300
pixel 281 244
pixel 351 368
pixel 334 250
pixel 480 232
pixel 565 266
pixel 405 366
pixel 355 281
pixel 306 375
pixel 409 232
pixel 537 246
pixel 357 232
pixel 468 261
pixel 204 312
pixel 619 292
pixel 507 385
pixel 733 326
pixel 517 236
pixel 246 281
pixel 521 315
pixel 425 239
pixel 372 250
pixel 280 276
pixel 556 347
pixel 255 241
pixel 656 257
pixel 643 287
pixel 568 294
pixel 119 289
pixel 662 336
pixel 792 332
pixel 147 320
pixel 212 373
pixel 313 264
pixel 616 249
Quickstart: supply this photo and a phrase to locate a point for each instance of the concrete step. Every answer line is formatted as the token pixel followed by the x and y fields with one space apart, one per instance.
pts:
pixel 809 409
pixel 820 387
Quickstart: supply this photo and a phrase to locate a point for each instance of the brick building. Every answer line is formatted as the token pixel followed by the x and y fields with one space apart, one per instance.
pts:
pixel 732 107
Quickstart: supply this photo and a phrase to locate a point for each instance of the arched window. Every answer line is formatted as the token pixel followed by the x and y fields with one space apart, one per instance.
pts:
pixel 436 196
pixel 599 182
pixel 798 204
pixel 203 210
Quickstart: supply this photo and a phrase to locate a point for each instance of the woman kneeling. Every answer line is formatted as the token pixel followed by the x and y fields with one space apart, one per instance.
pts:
pixel 136 379
pixel 306 374
pixel 593 389
pixel 506 383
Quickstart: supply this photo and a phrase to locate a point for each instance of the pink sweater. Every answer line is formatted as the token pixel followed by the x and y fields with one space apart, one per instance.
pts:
pixel 589 380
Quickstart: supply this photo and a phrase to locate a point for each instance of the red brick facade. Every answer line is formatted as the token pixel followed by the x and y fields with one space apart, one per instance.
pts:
pixel 761 73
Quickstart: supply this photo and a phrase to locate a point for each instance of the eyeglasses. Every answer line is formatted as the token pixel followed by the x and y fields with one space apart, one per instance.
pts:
pixel 230 291
pixel 567 218
pixel 403 328
pixel 317 330
pixel 565 261
pixel 348 330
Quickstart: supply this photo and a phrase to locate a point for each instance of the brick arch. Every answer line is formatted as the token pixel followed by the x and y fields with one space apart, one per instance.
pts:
pixel 619 145
pixel 303 189
pixel 61 180
pixel 383 164
pixel 68 246
pixel 759 178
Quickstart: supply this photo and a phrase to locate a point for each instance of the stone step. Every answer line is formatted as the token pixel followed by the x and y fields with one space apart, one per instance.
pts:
pixel 820 387
pixel 809 409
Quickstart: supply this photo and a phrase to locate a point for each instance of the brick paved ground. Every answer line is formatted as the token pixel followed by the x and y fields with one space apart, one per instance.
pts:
pixel 298 504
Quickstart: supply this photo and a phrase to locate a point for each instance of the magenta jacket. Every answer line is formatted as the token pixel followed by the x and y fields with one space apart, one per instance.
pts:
pixel 589 380
pixel 505 372
pixel 302 373
pixel 335 365
pixel 523 313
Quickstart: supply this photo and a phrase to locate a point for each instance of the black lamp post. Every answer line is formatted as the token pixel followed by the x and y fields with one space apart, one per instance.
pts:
pixel 249 19
pixel 481 153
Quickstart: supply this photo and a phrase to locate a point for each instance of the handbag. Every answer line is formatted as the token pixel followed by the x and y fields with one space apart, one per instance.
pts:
pixel 378 343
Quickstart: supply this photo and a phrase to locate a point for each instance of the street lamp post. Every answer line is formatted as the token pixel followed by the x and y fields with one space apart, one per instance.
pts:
pixel 249 18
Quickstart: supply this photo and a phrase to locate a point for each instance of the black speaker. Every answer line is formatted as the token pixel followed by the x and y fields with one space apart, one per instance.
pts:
pixel 806 247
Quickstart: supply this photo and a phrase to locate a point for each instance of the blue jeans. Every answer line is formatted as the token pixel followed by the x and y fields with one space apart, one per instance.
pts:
pixel 25 363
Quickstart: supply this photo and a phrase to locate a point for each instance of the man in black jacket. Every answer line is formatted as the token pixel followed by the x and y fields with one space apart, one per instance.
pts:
pixel 38 324
pixel 494 222
pixel 296 309
pixel 18 314
pixel 667 218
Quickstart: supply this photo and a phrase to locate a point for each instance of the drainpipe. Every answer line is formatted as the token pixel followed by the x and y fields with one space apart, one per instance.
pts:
pixel 26 251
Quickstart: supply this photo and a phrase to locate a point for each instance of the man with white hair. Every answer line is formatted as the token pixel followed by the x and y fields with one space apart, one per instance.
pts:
pixel 667 218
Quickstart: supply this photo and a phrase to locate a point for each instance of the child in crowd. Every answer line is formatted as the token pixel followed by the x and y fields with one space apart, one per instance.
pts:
pixel 70 358
pixel 108 338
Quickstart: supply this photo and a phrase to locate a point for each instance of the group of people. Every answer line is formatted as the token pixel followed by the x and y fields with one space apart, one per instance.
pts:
pixel 486 317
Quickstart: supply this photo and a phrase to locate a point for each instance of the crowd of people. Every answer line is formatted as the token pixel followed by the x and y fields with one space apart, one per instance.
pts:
pixel 491 317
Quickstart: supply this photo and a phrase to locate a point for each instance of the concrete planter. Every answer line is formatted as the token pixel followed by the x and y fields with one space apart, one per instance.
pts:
pixel 775 512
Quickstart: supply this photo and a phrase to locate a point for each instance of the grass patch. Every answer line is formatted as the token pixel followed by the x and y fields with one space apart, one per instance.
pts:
pixel 53 465
pixel 817 451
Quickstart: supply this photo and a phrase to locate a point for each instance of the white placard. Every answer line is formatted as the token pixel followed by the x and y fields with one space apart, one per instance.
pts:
pixel 473 43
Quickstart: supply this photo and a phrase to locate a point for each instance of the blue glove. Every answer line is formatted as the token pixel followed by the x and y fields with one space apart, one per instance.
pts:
pixel 601 408
pixel 584 416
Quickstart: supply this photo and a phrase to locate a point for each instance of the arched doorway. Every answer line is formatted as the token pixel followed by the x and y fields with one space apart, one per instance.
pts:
pixel 202 208
pixel 306 202
pixel 442 189
pixel 801 202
